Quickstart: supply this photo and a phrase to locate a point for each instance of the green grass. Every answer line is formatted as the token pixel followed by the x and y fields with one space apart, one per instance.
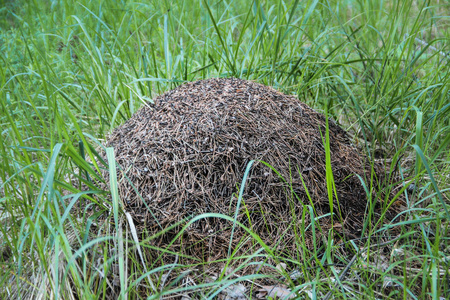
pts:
pixel 72 71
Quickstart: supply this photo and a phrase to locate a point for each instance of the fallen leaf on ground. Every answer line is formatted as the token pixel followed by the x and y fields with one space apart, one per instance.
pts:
pixel 275 292
pixel 236 291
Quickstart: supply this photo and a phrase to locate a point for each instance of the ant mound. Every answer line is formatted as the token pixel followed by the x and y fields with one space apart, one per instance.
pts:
pixel 186 154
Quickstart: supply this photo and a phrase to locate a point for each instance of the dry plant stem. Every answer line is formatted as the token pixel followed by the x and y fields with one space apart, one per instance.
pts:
pixel 352 261
pixel 424 43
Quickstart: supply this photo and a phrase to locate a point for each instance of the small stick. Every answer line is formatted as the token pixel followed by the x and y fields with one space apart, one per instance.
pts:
pixel 424 43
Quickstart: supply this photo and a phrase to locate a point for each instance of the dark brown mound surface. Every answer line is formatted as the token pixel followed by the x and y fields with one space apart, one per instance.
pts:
pixel 186 154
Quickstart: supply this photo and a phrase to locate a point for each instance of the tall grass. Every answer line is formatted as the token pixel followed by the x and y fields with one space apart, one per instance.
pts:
pixel 72 71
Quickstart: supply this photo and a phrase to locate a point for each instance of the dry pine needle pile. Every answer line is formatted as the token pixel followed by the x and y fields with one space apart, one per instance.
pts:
pixel 187 152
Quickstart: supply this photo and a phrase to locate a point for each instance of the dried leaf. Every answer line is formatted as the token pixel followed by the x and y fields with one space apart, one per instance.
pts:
pixel 236 291
pixel 281 267
pixel 277 292
pixel 389 282
pixel 296 274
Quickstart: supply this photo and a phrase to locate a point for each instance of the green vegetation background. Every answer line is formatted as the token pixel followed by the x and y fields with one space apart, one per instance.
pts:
pixel 70 71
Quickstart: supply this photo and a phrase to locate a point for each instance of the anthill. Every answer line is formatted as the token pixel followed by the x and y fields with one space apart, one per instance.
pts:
pixel 186 154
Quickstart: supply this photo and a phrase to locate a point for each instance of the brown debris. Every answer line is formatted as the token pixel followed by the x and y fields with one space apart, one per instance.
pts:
pixel 187 153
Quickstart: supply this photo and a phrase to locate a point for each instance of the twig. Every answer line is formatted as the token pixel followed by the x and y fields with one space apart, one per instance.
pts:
pixel 424 43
